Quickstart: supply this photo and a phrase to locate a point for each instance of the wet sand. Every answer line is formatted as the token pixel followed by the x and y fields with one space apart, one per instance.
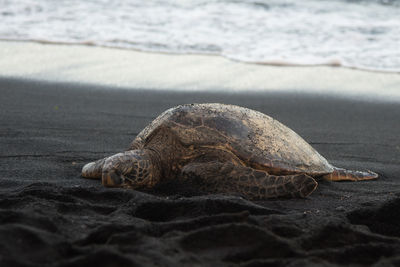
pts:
pixel 50 216
pixel 136 69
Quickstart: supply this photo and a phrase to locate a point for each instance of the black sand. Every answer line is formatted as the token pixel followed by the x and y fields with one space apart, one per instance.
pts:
pixel 49 216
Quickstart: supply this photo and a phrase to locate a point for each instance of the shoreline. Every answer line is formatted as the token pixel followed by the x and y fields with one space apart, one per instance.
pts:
pixel 126 69
pixel 272 63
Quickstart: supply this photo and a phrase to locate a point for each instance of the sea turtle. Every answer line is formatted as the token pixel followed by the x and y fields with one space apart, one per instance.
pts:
pixel 225 149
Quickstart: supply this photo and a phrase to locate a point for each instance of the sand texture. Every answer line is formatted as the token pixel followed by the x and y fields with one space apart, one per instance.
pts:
pixel 50 216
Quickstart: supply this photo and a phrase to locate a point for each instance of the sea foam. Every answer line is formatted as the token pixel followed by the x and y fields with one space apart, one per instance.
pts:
pixel 357 34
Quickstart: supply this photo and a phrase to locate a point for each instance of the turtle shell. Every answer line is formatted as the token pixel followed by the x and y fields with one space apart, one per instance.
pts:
pixel 258 140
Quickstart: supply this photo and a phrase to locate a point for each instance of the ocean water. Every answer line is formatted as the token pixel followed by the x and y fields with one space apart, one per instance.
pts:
pixel 362 34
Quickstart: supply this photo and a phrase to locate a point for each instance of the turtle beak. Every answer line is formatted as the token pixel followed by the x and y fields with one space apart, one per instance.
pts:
pixel 93 170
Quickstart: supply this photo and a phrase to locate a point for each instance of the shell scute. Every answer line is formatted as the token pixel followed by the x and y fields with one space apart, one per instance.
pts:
pixel 255 138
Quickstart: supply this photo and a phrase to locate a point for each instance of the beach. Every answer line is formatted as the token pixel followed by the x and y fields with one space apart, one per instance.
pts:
pixel 65 106
pixel 124 68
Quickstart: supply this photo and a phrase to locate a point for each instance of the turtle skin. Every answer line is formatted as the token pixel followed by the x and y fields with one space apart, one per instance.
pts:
pixel 227 149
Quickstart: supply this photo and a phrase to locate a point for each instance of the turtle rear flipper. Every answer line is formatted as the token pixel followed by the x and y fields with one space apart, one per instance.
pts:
pixel 340 174
pixel 217 177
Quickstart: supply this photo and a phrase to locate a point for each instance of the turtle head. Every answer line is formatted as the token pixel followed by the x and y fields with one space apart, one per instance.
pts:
pixel 131 169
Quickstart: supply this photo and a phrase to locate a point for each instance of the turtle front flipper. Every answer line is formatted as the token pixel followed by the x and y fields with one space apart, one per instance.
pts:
pixel 217 177
pixel 340 174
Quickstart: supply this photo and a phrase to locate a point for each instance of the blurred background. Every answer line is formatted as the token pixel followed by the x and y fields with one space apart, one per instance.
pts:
pixel 363 34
